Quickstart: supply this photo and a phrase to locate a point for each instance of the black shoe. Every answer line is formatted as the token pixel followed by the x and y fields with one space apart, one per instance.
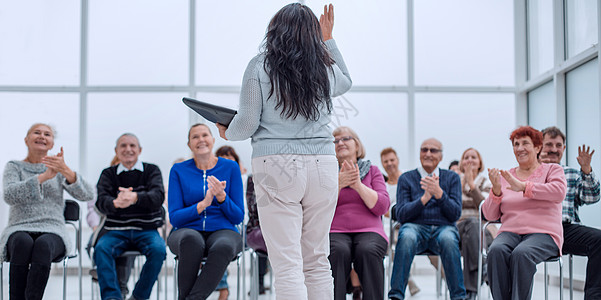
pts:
pixel 357 291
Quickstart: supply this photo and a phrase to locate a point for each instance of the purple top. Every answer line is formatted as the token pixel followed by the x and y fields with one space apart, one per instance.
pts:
pixel 352 215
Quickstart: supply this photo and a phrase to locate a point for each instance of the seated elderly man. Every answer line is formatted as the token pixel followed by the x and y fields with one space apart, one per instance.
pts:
pixel 428 205
pixel 131 196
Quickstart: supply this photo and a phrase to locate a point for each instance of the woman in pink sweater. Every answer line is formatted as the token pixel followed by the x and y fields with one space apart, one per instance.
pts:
pixel 527 199
pixel 357 238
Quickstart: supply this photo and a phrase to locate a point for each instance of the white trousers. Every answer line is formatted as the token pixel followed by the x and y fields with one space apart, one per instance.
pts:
pixel 296 200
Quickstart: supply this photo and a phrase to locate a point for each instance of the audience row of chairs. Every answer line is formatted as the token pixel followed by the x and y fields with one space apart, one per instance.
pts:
pixel 72 219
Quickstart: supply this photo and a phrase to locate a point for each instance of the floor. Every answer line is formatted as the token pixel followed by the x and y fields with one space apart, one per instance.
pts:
pixel 425 279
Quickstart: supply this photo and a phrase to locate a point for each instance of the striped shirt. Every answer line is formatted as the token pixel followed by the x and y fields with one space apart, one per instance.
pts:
pixel 582 189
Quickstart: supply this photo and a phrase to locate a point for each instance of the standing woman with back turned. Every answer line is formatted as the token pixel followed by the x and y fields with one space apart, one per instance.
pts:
pixel 285 106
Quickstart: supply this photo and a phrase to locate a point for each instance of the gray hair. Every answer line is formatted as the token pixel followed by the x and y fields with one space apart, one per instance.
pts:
pixel 42 124
pixel 128 134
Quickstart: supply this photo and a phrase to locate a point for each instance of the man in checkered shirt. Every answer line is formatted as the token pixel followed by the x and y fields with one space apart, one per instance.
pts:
pixel 583 188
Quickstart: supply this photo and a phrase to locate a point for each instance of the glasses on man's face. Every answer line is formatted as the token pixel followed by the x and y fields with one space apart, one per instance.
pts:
pixel 432 150
pixel 344 139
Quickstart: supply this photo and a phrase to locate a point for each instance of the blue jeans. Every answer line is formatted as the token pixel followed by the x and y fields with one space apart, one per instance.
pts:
pixel 112 244
pixel 416 238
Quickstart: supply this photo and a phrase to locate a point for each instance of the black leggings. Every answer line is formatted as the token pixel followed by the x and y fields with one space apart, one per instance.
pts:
pixel 220 247
pixel 31 254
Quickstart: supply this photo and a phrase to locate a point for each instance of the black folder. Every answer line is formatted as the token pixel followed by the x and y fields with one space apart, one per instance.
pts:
pixel 211 112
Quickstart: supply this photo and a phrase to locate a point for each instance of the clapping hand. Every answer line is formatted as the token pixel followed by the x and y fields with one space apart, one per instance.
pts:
pixel 126 198
pixel 493 175
pixel 56 164
pixel 217 188
pixel 584 158
pixel 431 185
pixel 348 175
pixel 468 174
pixel 514 184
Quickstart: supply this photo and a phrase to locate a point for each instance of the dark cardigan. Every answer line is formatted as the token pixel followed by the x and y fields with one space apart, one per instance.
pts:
pixel 146 213
pixel 443 211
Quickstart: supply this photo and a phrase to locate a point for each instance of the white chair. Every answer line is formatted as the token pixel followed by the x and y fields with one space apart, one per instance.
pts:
pixel 482 254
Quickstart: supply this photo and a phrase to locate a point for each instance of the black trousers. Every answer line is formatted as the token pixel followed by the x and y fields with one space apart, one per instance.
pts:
pixel 585 241
pixel 219 247
pixel 363 251
pixel 31 254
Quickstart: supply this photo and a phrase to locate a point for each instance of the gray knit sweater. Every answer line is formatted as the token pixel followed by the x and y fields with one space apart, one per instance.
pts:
pixel 36 207
pixel 270 132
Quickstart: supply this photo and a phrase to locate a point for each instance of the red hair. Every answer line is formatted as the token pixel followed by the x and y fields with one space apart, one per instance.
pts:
pixel 523 131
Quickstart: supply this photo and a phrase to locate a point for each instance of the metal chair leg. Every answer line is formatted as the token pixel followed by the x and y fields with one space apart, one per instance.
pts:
pixel 1 280
pixel 175 286
pixel 546 283
pixel 65 261
pixel 571 267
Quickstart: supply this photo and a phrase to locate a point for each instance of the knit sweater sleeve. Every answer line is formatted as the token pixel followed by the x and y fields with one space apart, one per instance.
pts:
pixel 450 202
pixel 19 190
pixel 80 189
pixel 247 120
pixel 408 209
pixel 153 196
pixel 379 186
pixel 342 79
pixel 553 189
pixel 107 192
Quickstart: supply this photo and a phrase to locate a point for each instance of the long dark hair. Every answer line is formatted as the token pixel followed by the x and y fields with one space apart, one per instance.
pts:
pixel 297 62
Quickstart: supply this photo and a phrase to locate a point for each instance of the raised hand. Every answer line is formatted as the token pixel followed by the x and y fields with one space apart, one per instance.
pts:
pixel 326 22
pixel 585 155
pixel 493 175
pixel 431 184
pixel 514 184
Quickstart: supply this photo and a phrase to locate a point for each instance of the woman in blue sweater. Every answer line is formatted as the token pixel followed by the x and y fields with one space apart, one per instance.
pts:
pixel 205 204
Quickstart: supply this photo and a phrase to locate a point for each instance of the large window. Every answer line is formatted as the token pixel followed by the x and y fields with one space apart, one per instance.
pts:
pixel 582 25
pixel 584 126
pixel 540 37
pixel 99 68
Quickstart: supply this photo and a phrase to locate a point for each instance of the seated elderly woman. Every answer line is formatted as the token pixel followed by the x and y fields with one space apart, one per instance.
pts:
pixel 475 188
pixel 36 234
pixel 205 204
pixel 357 238
pixel 527 199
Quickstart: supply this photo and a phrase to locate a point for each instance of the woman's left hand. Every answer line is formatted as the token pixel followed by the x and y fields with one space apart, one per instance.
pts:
pixel 57 164
pixel 514 184
pixel 217 188
pixel 222 130
pixel 326 22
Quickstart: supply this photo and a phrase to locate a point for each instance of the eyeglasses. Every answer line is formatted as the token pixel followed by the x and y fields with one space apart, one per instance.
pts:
pixel 344 139
pixel 432 150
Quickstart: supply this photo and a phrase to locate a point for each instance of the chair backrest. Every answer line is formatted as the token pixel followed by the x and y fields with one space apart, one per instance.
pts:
pixel 71 210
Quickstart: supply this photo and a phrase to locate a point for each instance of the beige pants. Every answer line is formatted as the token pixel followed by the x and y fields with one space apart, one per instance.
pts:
pixel 296 200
